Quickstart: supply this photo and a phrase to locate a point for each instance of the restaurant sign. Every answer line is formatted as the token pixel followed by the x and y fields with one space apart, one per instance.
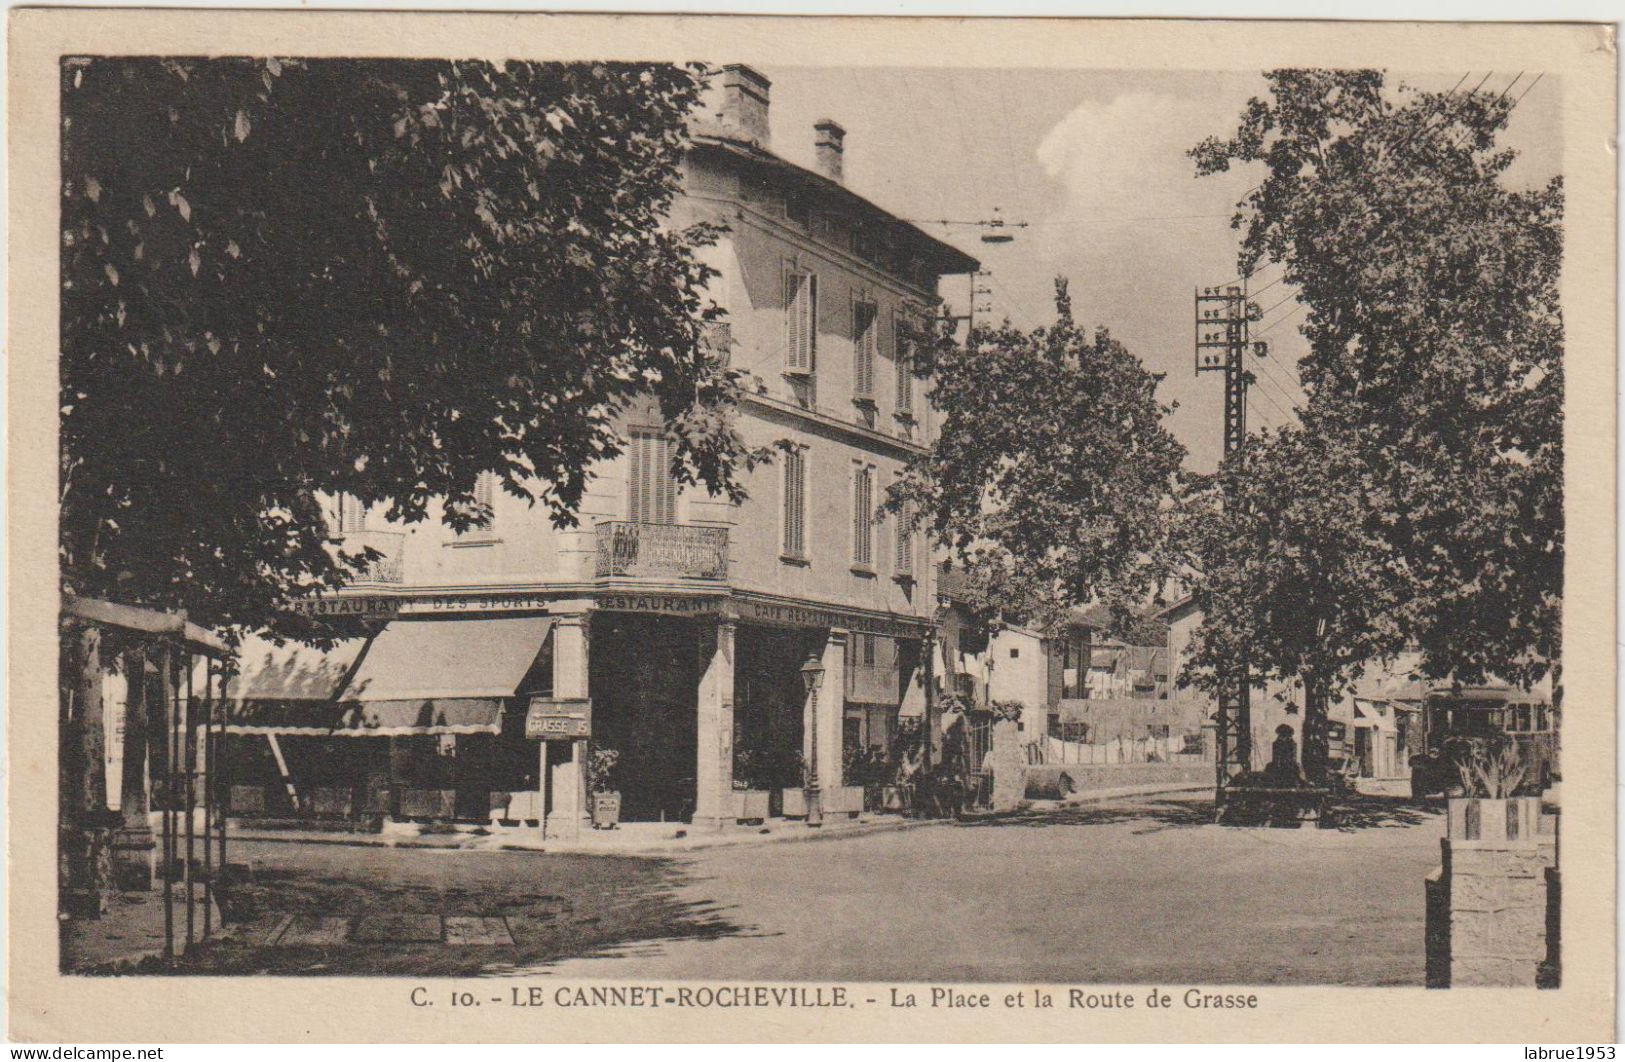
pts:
pixel 556 719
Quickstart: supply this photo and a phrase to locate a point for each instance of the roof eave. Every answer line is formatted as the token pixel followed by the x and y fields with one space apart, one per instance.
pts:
pixel 948 259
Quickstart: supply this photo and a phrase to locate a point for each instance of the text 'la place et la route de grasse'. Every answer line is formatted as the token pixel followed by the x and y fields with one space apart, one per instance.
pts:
pixel 832 996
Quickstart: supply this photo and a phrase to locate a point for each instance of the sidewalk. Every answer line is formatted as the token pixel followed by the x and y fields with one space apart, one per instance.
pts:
pixel 655 839
pixel 636 838
pixel 131 934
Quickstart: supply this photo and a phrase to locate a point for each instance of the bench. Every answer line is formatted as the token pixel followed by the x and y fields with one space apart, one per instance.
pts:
pixel 1276 805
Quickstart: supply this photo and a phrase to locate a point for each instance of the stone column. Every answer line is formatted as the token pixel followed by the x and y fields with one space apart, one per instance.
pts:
pixel 566 760
pixel 1008 763
pixel 1496 858
pixel 714 768
pixel 134 847
pixel 831 708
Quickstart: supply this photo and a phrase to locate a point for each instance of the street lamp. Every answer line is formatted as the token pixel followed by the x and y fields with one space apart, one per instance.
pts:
pixel 812 677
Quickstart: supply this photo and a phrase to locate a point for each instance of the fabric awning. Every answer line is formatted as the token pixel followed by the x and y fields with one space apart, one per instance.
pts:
pixel 289 688
pixel 291 672
pixel 416 660
pixel 414 677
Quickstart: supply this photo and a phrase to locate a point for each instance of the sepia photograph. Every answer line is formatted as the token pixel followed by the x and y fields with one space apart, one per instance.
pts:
pixel 759 528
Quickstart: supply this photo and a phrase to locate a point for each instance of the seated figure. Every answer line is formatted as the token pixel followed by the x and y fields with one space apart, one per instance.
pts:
pixel 1282 771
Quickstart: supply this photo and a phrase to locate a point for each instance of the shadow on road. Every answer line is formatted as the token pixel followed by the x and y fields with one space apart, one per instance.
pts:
pixel 561 908
pixel 1349 814
pixel 1374 812
pixel 1155 814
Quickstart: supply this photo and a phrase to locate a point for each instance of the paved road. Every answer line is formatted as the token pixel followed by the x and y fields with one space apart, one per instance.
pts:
pixel 1141 890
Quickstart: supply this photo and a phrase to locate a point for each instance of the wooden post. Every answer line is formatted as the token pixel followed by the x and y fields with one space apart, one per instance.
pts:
pixel 189 798
pixel 206 756
pixel 168 672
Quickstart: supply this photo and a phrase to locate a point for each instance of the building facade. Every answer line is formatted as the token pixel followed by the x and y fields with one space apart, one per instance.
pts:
pixel 680 622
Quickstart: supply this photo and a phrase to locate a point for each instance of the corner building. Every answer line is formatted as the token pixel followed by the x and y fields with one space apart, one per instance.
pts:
pixel 685 619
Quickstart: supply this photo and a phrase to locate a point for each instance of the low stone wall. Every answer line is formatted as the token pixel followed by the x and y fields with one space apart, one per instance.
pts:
pixel 1489 904
pixel 1045 779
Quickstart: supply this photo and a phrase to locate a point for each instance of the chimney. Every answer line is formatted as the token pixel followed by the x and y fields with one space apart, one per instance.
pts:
pixel 744 102
pixel 828 139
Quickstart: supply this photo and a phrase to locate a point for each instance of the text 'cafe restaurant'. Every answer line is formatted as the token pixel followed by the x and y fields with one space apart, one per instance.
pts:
pixel 480 708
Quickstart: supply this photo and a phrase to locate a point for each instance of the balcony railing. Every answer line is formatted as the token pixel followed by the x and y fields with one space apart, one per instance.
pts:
pixel 656 550
pixel 387 568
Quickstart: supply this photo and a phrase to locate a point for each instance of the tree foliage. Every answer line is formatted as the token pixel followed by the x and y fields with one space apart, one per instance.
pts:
pixel 1421 503
pixel 377 277
pixel 1050 472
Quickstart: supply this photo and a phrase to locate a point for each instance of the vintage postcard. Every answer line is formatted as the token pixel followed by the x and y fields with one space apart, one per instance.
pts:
pixel 645 528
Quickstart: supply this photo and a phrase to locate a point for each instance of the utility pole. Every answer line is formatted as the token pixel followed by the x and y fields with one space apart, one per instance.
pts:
pixel 1223 315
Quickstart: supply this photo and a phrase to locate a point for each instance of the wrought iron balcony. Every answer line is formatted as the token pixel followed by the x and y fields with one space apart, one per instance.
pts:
pixel 626 548
pixel 387 568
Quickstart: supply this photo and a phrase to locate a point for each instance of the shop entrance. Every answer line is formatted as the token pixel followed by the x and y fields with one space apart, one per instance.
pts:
pixel 644 679
pixel 769 701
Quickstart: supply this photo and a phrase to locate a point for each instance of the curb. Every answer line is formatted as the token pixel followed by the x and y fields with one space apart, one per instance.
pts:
pixel 644 850
pixel 1097 796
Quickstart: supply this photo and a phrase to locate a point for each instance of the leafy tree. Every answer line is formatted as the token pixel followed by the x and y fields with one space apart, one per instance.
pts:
pixel 1050 472
pixel 1434 386
pixel 377 277
pixel 1296 579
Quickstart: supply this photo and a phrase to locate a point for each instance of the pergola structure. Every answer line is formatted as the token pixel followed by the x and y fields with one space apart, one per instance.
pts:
pixel 174 675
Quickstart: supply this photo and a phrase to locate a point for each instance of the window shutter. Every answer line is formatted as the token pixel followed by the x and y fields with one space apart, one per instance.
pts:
pixel 351 515
pixel 863 348
pixel 795 502
pixel 862 517
pixel 905 365
pixel 485 495
pixel 905 544
pixel 801 320
pixel 665 485
pixel 635 506
pixel 795 336
pixel 801 503
pixel 810 300
pixel 652 492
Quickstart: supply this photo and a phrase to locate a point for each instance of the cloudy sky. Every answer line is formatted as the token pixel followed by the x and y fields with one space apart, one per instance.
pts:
pixel 1094 162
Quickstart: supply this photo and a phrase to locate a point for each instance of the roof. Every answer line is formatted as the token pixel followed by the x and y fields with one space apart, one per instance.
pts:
pixel 946 258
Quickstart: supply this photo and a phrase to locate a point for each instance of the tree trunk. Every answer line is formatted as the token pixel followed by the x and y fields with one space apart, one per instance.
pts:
pixel 88 739
pixel 1315 731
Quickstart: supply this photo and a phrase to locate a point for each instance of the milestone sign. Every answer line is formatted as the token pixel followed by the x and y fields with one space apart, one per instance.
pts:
pixel 550 719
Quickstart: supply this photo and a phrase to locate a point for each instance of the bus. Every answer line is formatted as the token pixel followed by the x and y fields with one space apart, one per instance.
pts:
pixel 1455 720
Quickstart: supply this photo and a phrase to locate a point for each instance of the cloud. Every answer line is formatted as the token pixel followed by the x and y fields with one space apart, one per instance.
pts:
pixel 1125 158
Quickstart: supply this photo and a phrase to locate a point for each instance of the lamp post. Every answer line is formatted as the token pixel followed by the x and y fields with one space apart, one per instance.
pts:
pixel 812 677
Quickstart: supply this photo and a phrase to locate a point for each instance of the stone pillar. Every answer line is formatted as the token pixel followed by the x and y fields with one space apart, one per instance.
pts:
pixel 1008 763
pixel 831 709
pixel 1496 857
pixel 566 760
pixel 714 769
pixel 135 852
pixel 84 826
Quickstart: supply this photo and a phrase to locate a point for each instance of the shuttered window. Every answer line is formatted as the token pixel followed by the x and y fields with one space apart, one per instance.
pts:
pixel 652 493
pixel 485 491
pixel 863 513
pixel 904 355
pixel 904 561
pixel 801 321
pixel 863 349
pixel 352 515
pixel 795 503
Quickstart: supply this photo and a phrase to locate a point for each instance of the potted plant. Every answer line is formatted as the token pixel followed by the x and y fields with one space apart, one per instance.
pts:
pixel 605 802
pixel 750 795
pixel 1493 776
pixel 793 799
